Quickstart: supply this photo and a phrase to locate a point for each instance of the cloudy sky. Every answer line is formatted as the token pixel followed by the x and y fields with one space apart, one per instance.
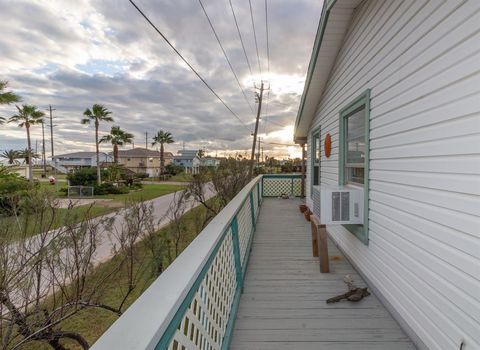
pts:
pixel 74 53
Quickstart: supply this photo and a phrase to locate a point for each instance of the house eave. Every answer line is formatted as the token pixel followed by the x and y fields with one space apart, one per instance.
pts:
pixel 334 23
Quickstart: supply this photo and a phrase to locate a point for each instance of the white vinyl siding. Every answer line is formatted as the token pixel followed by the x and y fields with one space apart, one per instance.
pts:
pixel 421 61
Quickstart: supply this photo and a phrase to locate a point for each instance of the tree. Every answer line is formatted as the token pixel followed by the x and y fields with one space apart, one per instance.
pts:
pixel 98 113
pixel 201 153
pixel 47 279
pixel 7 97
pixel 27 116
pixel 162 137
pixel 117 137
pixel 11 155
pixel 26 156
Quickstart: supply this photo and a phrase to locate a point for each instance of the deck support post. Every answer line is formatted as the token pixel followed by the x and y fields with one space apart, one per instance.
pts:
pixel 319 231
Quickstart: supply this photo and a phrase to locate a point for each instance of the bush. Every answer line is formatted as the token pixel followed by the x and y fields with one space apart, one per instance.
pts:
pixel 12 189
pixel 141 175
pixel 109 188
pixel 83 177
pixel 174 169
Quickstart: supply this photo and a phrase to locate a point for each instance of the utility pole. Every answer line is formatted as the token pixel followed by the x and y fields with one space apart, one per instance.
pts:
pixel 44 158
pixel 146 139
pixel 252 158
pixel 50 109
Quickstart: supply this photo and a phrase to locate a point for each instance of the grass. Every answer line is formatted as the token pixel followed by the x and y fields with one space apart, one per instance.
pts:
pixel 181 177
pixel 92 323
pixel 146 193
pixel 32 227
pixel 118 201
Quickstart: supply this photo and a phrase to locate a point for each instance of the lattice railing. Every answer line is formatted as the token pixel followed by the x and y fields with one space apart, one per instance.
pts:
pixel 193 304
pixel 279 185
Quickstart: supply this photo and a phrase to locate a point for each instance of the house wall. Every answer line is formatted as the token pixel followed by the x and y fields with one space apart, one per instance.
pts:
pixel 421 61
pixel 136 163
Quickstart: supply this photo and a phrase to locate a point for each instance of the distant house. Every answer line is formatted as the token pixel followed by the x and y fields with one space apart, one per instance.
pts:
pixel 142 160
pixel 189 160
pixel 71 161
pixel 210 161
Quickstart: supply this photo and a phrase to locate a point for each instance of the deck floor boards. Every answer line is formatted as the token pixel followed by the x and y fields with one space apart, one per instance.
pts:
pixel 283 303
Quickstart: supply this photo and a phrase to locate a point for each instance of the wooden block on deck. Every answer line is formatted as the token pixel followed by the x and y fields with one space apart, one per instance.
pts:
pixel 320 233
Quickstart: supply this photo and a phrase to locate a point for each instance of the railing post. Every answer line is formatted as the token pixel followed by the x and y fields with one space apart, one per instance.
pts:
pixel 252 210
pixel 236 252
pixel 258 194
pixel 291 188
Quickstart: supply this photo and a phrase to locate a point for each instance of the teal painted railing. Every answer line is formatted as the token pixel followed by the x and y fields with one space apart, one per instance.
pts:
pixel 193 304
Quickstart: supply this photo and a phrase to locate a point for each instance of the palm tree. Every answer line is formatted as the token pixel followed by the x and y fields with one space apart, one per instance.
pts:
pixel 6 97
pixel 162 137
pixel 97 114
pixel 11 155
pixel 117 137
pixel 24 154
pixel 201 153
pixel 27 116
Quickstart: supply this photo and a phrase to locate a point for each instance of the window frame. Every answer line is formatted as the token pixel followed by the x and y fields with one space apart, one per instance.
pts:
pixel 315 133
pixel 363 100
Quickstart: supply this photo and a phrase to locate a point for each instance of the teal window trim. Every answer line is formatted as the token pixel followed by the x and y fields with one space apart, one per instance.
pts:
pixel 360 231
pixel 315 133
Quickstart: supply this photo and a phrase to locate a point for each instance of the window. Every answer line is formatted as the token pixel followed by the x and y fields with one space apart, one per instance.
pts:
pixel 354 153
pixel 315 158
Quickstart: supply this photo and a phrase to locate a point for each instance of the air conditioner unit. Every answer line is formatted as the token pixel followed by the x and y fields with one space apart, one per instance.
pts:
pixel 338 204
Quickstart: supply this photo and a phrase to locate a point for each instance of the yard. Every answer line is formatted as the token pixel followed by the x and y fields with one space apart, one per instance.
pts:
pixel 92 322
pixel 99 208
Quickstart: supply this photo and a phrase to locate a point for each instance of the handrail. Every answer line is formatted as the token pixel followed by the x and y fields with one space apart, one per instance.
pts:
pixel 181 306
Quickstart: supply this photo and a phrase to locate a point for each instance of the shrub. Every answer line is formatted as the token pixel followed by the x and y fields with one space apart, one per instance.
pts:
pixel 12 189
pixel 109 188
pixel 83 177
pixel 174 169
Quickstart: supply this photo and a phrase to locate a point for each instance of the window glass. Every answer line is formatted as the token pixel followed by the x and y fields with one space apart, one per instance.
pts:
pixel 317 149
pixel 355 147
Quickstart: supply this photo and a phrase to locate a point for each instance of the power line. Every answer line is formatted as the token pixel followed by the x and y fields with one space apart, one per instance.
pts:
pixel 268 46
pixel 188 64
pixel 225 54
pixel 241 39
pixel 255 36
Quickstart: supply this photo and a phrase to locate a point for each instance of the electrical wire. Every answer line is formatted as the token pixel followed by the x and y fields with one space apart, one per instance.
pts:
pixel 225 54
pixel 241 40
pixel 255 37
pixel 188 64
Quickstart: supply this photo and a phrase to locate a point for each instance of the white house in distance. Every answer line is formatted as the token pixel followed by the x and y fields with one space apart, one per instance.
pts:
pixel 70 161
pixel 393 89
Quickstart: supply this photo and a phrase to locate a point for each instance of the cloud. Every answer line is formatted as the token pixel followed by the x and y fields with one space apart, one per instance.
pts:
pixel 72 54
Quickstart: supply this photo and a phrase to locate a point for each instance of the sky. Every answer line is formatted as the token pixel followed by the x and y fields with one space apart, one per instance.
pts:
pixel 73 53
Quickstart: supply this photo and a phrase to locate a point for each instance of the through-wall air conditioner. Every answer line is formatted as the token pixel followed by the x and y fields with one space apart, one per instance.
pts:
pixel 338 204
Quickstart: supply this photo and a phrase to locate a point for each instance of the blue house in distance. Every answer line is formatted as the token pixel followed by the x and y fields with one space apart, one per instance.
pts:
pixel 189 160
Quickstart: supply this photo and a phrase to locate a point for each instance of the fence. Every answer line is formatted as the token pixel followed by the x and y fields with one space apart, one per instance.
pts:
pixel 80 191
pixel 193 304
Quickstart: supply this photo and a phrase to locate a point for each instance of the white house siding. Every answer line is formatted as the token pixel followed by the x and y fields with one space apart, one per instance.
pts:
pixel 421 60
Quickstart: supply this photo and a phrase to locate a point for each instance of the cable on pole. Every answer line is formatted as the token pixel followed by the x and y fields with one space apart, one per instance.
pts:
pixel 188 64
pixel 241 39
pixel 225 54
pixel 255 36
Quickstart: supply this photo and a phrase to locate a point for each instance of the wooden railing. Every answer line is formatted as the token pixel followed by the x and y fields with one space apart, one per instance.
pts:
pixel 193 304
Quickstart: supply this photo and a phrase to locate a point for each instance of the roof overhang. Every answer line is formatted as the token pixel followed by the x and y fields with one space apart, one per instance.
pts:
pixel 334 23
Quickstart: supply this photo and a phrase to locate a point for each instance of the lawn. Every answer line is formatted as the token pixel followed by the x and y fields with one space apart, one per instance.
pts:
pixel 92 323
pixel 145 193
pixel 181 177
pixel 118 200
pixel 32 227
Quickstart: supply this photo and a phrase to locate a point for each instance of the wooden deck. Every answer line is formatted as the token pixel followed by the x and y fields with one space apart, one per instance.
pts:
pixel 283 304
